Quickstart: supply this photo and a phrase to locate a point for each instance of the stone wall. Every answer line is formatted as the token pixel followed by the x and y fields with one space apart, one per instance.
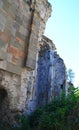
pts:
pixel 22 23
pixel 40 14
pixel 14 30
pixel 51 73
pixel 27 57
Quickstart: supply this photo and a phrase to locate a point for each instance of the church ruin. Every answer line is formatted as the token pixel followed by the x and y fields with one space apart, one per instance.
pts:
pixel 25 55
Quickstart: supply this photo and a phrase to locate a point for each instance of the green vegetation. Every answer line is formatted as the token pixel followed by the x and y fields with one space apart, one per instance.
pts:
pixel 71 75
pixel 61 114
pixel 20 124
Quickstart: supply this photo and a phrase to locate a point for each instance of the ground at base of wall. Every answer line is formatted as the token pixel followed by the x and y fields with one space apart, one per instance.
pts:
pixel 11 122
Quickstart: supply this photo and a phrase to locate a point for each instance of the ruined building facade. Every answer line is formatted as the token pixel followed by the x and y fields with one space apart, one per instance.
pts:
pixel 31 71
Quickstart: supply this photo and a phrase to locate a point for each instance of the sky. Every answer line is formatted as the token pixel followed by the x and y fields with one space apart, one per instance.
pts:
pixel 63 29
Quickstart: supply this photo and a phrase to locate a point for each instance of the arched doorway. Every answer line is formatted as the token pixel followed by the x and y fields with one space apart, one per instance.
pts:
pixel 3 95
pixel 4 104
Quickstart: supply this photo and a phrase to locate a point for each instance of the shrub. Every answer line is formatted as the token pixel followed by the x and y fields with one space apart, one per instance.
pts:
pixel 61 114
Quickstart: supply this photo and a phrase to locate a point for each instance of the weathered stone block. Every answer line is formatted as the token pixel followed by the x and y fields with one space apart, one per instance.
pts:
pixel 23 31
pixel 9 57
pixel 1 4
pixel 12 10
pixel 14 60
pixel 9 67
pixel 19 40
pixel 4 36
pixel 2 19
pixel 3 55
pixel 19 17
pixel 18 34
pixel 2 27
pixel 31 63
pixel 16 52
pixel 27 22
pixel 4 48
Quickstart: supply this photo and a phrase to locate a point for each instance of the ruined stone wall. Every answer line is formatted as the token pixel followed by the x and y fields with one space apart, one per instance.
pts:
pixel 42 11
pixel 14 30
pixel 22 50
pixel 22 23
pixel 51 73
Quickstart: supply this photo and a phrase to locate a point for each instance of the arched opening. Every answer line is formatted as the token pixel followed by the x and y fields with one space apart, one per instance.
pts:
pixel 3 95
pixel 4 104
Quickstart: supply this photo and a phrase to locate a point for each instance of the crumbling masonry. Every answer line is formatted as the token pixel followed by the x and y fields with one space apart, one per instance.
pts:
pixel 22 24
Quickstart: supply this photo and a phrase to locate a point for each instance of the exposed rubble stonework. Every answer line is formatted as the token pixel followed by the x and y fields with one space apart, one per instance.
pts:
pixel 51 73
pixel 22 24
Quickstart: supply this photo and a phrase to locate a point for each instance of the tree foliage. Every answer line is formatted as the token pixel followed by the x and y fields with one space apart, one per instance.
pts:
pixel 61 114
pixel 71 75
